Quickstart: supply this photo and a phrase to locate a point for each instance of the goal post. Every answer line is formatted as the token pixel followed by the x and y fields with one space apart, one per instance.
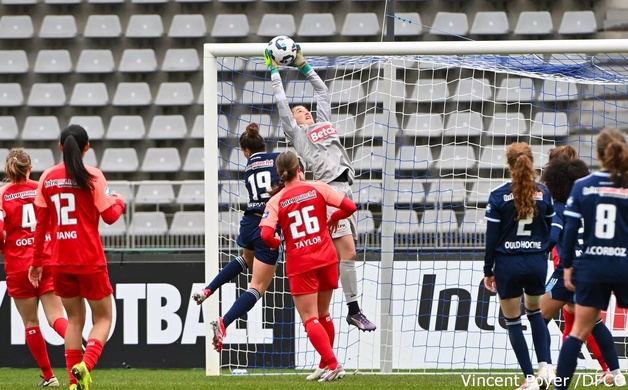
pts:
pixel 395 98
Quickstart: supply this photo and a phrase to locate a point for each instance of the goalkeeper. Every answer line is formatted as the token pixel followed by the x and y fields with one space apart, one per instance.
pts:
pixel 319 146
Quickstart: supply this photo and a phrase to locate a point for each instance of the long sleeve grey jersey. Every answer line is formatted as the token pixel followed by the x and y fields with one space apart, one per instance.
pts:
pixel 318 145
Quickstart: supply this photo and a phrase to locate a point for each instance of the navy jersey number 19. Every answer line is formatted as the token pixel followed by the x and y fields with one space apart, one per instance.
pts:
pixel 261 185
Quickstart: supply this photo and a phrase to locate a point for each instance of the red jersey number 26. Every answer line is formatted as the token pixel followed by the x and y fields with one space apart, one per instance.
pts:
pixel 303 223
pixel 65 204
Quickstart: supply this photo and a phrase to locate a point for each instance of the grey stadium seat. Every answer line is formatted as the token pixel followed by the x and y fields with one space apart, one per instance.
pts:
pixel 18 2
pixel 46 95
pixel 345 125
pixel 360 25
pixel 265 122
pixel 490 23
pixel 272 25
pixel 379 125
pixel 493 157
pixel 423 125
pixel 534 23
pixel 317 25
pixel 53 61
pixel 229 223
pixel 366 225
pixel 119 160
pixel 540 153
pixel 144 26
pixel 550 125
pixel 16 27
pixel 90 95
pixel 300 91
pixel 62 1
pixel 123 188
pixel 93 125
pixel 198 132
pixel 41 128
pixel 138 60
pixel 132 94
pixel 149 1
pixel 461 124
pixel 191 193
pixel 88 159
pixel 11 95
pixel 181 60
pixel 515 90
pixel 13 61
pixel 258 92
pixel 95 61
pixel 58 27
pixel 578 22
pixel 105 1
pixel 8 129
pixel 161 160
pixel 558 91
pixel 473 222
pixel 188 223
pixel 233 192
pixel 154 193
pixel 41 159
pixel 366 158
pixel 367 191
pixel 450 23
pixel 148 223
pixel 380 91
pixel 230 26
pixel 439 221
pixel 237 161
pixel 174 94
pixel 504 124
pixel 167 127
pixel 188 26
pixel 408 24
pixel 118 228
pixel 346 91
pixel 126 127
pixel 473 90
pixel 456 157
pixel 3 154
pixel 480 190
pixel 413 158
pixel 194 160
pixel 407 222
pixel 429 90
pixel 102 26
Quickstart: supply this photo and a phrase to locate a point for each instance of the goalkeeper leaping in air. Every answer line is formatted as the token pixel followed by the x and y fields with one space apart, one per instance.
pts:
pixel 319 146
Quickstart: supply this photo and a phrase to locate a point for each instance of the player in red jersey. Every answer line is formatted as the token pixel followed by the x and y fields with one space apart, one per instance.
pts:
pixel 300 209
pixel 17 220
pixel 71 199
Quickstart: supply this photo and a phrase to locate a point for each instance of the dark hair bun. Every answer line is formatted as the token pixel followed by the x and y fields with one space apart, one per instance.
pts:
pixel 252 130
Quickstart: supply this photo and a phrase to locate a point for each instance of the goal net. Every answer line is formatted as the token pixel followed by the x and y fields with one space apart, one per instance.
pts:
pixel 426 125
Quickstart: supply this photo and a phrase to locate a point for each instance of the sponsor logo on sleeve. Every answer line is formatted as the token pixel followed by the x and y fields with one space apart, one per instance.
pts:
pixel 265 215
pixel 108 192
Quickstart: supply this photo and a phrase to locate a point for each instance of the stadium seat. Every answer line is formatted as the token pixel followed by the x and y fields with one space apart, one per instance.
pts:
pixel 578 23
pixel 191 193
pixel 429 90
pixel 505 124
pixel 264 121
pixel 257 92
pixel 194 160
pixel 443 192
pixel 124 189
pixel 119 160
pixel 413 158
pixel 550 125
pixel 493 157
pixel 106 1
pixel 300 92
pixel 381 91
pixel 138 61
pixel 379 125
pixel 201 97
pixel 174 94
pixel 558 91
pixel 490 23
pixel 473 90
pixel 459 157
pixel 154 193
pixel 438 221
pixel 229 223
pixel 41 159
pixel 360 24
pixel 226 93
pixel 181 60
pixel 187 223
pixel 149 1
pixel 534 23
pixel 480 190
pixel 237 161
pixel 198 131
pixel 3 154
pixel 11 95
pixel 473 223
pixel 118 228
pixel 92 124
pixel 16 27
pixel 89 158
pixel 230 64
pixel 450 24
pixel 8 129
pixel 132 94
pixel 144 26
pixel 53 61
pixel 346 91
pixel 406 222
pixel 193 1
pixel 58 27
pixel 540 154
pixel 515 90
pixel 95 61
pixel 13 61
pixel 317 25
pixel 188 26
pixel 125 127
pixel 167 127
pixel 233 193
pixel 102 26
pixel 272 25
pixel 367 158
pixel 41 128
pixel 423 125
pixel 463 124
pixel 148 223
pixel 89 95
pixel 46 95
pixel 230 26
pixel 161 160
pixel 408 24
pixel 367 192
pixel 345 125
pixel 18 2
pixel 63 2
pixel 364 218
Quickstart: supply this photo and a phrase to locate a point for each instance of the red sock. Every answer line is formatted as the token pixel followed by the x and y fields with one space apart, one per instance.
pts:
pixel 72 357
pixel 92 353
pixel 60 325
pixel 569 319
pixel 595 350
pixel 319 339
pixel 328 325
pixel 37 345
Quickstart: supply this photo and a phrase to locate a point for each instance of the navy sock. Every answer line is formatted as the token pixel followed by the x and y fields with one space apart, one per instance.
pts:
pixel 234 268
pixel 539 335
pixel 567 361
pixel 604 340
pixel 549 341
pixel 519 345
pixel 241 306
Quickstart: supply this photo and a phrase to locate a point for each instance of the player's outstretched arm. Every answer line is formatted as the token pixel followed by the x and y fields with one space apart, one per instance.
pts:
pixel 289 124
pixel 323 99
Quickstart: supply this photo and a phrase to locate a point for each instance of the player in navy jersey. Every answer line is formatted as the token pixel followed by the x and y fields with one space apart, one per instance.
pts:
pixel 519 215
pixel 600 202
pixel 260 175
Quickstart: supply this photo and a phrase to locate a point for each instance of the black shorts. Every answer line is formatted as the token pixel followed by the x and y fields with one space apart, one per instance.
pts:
pixel 249 238
pixel 516 274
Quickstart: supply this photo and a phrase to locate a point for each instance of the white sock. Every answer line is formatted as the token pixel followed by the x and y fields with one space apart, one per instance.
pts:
pixel 542 365
pixel 349 280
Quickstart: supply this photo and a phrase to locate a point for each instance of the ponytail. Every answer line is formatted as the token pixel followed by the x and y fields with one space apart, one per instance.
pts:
pixel 613 153
pixel 519 157
pixel 73 141
pixel 287 168
pixel 17 165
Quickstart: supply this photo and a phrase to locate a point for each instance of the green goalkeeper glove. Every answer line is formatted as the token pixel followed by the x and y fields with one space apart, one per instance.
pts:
pixel 300 62
pixel 270 62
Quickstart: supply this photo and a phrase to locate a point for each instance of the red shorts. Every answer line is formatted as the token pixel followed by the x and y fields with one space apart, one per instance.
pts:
pixel 93 286
pixel 19 287
pixel 319 279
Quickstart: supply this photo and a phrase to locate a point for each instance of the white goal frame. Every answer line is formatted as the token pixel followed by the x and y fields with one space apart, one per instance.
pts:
pixel 214 51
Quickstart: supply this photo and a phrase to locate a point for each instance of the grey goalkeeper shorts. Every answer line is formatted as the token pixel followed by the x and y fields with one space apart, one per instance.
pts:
pixel 349 225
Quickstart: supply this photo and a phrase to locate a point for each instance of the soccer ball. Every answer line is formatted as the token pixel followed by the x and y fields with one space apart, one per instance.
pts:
pixel 283 49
